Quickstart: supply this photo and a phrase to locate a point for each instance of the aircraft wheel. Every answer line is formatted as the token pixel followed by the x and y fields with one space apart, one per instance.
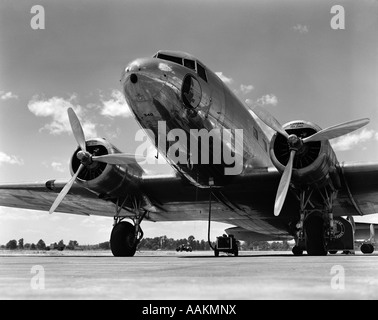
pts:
pixel 122 240
pixel 297 251
pixel 315 242
pixel 216 253
pixel 367 248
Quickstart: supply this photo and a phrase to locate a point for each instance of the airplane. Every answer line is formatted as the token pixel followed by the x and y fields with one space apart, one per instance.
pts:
pixel 291 187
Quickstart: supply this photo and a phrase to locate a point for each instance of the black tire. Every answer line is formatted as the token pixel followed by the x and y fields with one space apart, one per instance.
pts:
pixel 216 253
pixel 314 231
pixel 297 251
pixel 122 240
pixel 367 248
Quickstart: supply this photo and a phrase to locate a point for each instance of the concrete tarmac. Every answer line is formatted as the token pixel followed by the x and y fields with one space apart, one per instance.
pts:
pixel 196 275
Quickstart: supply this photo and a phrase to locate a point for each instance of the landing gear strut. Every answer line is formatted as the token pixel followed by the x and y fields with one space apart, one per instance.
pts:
pixel 125 237
pixel 311 235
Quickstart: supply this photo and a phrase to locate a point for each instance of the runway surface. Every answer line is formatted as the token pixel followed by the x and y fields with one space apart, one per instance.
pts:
pixel 171 275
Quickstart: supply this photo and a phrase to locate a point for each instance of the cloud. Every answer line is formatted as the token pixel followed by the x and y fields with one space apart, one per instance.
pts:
pixel 244 89
pixel 57 166
pixel 225 79
pixel 56 108
pixel 4 158
pixel 7 95
pixel 268 99
pixel 302 29
pixel 348 141
pixel 116 106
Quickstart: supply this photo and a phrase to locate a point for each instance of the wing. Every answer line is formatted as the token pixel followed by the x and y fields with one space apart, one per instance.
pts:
pixel 169 197
pixel 40 196
pixel 359 195
pixel 247 202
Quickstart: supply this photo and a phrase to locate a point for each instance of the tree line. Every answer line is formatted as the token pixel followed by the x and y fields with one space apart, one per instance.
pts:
pixel 40 245
pixel 157 243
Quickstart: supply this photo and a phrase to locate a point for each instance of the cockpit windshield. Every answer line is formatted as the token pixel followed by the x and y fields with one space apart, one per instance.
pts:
pixel 169 58
pixel 191 64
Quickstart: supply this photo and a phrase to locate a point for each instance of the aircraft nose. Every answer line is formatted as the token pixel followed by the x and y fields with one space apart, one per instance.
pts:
pixel 134 66
pixel 142 80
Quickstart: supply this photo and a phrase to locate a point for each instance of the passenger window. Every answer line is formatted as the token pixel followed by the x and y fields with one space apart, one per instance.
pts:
pixel 201 72
pixel 190 64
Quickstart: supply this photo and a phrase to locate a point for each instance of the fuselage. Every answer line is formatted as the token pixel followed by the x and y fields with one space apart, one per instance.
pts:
pixel 177 100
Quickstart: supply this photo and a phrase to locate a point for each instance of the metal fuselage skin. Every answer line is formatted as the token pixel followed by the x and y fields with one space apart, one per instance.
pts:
pixel 154 89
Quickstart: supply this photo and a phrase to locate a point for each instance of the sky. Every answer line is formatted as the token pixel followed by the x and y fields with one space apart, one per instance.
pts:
pixel 282 54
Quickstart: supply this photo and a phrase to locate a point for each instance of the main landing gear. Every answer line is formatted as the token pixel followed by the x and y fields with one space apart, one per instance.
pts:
pixel 125 236
pixel 318 231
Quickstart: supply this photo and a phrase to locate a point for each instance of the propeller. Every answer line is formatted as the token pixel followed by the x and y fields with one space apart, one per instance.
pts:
pixel 295 143
pixel 86 158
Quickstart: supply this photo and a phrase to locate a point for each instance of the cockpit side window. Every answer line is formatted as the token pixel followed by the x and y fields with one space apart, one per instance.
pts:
pixel 201 72
pixel 170 58
pixel 190 64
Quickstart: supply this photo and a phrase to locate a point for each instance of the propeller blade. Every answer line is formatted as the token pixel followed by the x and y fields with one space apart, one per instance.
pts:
pixel 118 158
pixel 337 130
pixel 267 118
pixel 77 129
pixel 65 190
pixel 283 187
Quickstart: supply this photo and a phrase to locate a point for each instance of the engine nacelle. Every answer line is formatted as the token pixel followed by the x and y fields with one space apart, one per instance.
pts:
pixel 107 180
pixel 314 163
